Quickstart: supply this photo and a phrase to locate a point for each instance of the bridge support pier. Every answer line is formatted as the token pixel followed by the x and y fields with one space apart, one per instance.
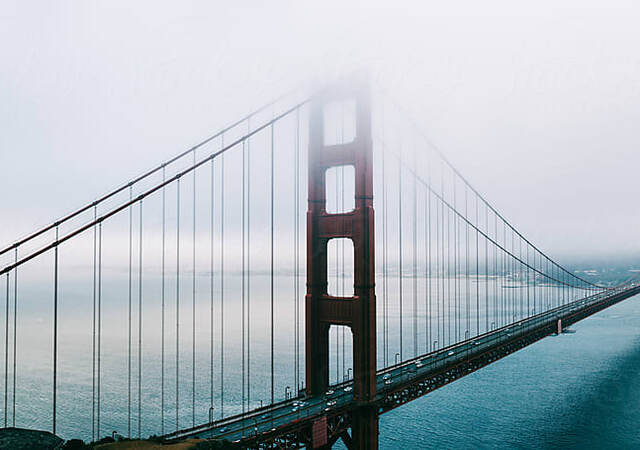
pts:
pixel 365 428
pixel 357 312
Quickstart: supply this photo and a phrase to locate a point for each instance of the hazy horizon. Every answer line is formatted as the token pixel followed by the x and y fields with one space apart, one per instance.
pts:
pixel 534 105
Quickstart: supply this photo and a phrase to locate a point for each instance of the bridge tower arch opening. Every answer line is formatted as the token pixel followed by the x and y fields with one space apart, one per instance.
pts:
pixel 359 310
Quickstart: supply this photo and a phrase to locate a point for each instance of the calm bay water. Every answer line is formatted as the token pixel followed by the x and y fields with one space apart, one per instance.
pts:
pixel 572 391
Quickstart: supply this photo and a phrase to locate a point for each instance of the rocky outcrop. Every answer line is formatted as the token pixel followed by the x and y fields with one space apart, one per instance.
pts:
pixel 21 439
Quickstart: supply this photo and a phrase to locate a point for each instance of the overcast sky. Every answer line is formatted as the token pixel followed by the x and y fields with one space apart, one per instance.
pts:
pixel 537 105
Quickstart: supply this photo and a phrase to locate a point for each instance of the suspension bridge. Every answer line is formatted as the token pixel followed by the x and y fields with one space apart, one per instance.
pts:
pixel 234 291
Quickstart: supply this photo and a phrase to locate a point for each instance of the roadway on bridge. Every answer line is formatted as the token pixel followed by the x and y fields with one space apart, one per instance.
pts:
pixel 306 408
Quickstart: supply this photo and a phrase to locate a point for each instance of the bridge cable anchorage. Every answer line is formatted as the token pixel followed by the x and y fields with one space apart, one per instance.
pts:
pixel 177 303
pixel 162 295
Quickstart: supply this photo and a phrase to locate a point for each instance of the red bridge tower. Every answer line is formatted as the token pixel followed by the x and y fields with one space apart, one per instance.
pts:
pixel 357 312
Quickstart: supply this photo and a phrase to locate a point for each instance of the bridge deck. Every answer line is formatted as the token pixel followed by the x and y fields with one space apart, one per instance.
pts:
pixel 403 382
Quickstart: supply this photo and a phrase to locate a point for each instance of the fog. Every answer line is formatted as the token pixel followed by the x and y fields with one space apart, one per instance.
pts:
pixel 536 105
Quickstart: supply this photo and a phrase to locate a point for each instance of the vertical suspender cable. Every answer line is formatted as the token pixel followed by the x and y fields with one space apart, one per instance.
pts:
pixel 400 250
pixel 211 288
pixel 438 268
pixel 15 329
pixel 467 272
pixel 466 259
pixel 441 343
pixel 193 302
pixel 535 283
pixel 222 282
pixel 520 279
pixel 486 268
pixel 336 332
pixel 177 302
pixel 495 271
pixel 296 256
pixel 477 267
pixel 162 319
pixel 93 378
pixel 129 317
pixel 337 285
pixel 55 332
pixel 6 351
pixel 429 262
pixel 449 276
pixel 415 262
pixel 248 268
pixel 427 270
pixel 271 269
pixel 502 292
pixel 242 277
pixel 456 290
pixel 140 327
pixel 514 264
pixel 342 242
pixel 99 327
pixel 528 304
pixel 385 350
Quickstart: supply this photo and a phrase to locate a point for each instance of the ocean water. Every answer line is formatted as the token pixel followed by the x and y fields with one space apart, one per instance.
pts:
pixel 574 391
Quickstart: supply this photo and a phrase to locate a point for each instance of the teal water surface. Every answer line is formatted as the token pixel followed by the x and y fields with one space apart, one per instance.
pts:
pixel 576 391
